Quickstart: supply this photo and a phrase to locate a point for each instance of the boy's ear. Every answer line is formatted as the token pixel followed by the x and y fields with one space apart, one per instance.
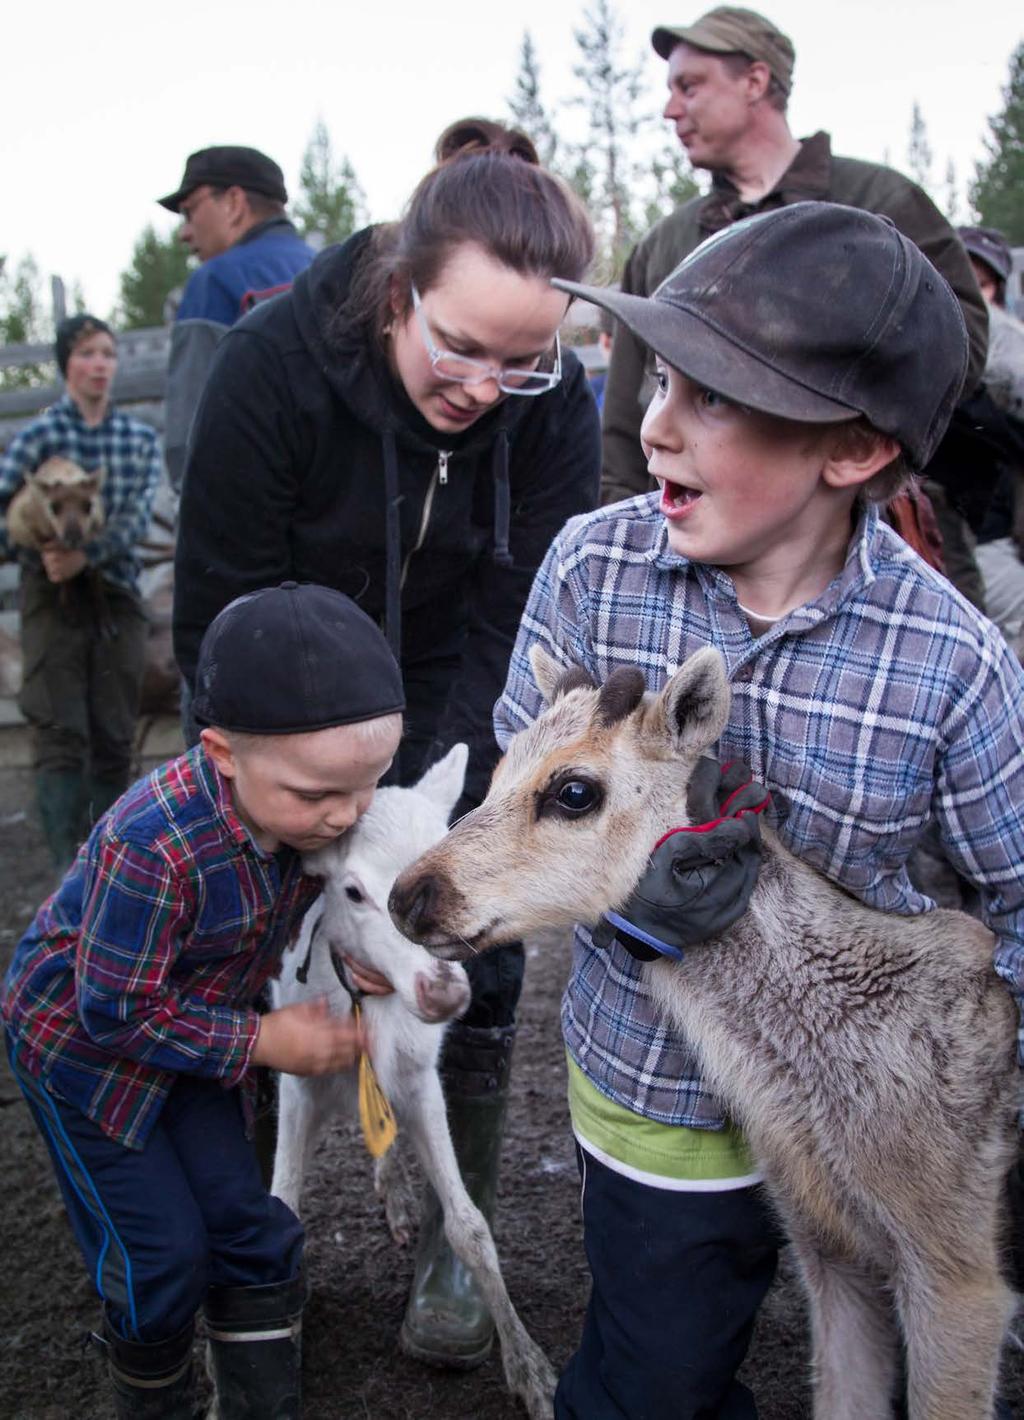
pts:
pixel 217 745
pixel 853 463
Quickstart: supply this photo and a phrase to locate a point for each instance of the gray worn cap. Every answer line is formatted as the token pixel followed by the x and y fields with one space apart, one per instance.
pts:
pixel 814 312
pixel 729 29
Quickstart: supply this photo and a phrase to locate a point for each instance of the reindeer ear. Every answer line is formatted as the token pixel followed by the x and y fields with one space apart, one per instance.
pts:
pixel 553 678
pixel 443 781
pixel 100 475
pixel 695 703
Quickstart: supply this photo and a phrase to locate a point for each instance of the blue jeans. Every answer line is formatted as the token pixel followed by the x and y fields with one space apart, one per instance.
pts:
pixel 677 1279
pixel 157 1226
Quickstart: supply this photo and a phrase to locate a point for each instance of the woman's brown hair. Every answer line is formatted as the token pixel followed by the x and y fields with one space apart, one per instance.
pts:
pixel 488 189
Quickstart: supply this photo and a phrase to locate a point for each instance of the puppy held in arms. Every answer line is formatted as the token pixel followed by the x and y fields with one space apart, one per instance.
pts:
pixel 57 504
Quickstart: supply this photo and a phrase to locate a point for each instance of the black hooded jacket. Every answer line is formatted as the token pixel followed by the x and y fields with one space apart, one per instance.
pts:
pixel 308 461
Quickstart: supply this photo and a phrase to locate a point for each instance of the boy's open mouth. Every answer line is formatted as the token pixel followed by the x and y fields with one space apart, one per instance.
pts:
pixel 677 500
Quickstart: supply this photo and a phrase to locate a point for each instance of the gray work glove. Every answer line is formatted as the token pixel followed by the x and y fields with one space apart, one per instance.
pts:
pixel 699 879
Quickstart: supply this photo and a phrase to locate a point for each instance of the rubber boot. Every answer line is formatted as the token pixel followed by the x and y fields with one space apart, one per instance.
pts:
pixel 447 1322
pixel 59 796
pixel 255 1356
pixel 152 1380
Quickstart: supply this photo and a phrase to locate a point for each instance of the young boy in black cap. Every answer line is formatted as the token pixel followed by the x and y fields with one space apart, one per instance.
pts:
pixel 806 359
pixel 130 1004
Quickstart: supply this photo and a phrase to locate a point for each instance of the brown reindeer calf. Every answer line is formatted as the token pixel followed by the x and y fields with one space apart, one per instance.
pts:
pixel 868 1057
pixel 58 503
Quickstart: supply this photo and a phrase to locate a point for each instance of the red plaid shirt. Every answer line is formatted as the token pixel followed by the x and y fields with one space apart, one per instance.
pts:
pixel 147 961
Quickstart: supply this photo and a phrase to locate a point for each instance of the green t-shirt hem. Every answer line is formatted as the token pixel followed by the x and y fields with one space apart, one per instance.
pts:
pixel 644 1146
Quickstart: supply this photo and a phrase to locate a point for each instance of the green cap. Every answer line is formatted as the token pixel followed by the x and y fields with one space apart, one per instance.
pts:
pixel 729 30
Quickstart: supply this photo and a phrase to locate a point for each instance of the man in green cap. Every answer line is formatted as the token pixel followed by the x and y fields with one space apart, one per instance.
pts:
pixel 729 79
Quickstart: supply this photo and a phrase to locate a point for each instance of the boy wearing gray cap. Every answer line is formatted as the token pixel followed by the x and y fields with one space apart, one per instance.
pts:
pixel 807 359
pixel 130 1012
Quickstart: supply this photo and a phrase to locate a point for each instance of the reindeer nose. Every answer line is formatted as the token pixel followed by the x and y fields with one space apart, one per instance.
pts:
pixel 413 905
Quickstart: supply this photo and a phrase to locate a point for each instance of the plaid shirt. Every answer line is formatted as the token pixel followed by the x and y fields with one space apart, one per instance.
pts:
pixel 126 448
pixel 884 705
pixel 148 959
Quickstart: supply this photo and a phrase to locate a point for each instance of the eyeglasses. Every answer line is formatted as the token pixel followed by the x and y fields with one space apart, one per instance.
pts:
pixel 463 370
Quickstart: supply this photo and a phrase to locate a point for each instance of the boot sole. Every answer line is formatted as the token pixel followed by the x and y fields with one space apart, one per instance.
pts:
pixel 443 1360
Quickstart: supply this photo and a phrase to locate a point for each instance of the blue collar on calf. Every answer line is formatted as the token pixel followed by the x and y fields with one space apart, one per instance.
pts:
pixel 631 936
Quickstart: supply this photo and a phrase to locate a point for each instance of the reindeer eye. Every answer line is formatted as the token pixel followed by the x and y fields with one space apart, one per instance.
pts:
pixel 353 894
pixel 577 796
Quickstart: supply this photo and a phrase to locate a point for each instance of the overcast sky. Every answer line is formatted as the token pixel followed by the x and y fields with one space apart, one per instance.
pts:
pixel 101 103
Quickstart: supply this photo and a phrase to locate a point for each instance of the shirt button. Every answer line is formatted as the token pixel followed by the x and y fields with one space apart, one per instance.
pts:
pixel 744 672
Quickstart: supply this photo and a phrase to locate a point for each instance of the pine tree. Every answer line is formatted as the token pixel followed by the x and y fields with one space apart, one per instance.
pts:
pixel 919 152
pixel 952 193
pixel 997 192
pixel 23 320
pixel 332 204
pixel 611 92
pixel 526 108
pixel 159 267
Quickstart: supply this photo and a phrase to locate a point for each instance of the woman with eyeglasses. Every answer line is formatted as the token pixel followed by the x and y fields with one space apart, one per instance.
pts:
pixel 404 426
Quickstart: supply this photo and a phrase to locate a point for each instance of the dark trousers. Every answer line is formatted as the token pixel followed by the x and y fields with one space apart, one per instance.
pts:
pixel 157 1226
pixel 84 648
pixel 677 1279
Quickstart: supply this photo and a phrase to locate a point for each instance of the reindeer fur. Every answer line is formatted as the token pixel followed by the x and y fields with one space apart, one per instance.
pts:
pixel 869 1058
pixel 58 503
pixel 406 1030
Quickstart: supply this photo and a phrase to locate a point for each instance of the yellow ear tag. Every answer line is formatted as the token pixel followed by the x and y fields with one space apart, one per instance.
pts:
pixel 375 1113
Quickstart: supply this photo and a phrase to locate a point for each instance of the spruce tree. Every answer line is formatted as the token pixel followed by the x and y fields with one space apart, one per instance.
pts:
pixel 159 266
pixel 331 204
pixel 997 192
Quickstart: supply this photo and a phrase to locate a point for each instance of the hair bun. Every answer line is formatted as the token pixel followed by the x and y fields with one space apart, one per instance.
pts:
pixel 482 135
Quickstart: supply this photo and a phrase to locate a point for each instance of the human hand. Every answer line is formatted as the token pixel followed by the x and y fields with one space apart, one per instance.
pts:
pixel 306 1039
pixel 699 879
pixel 62 563
pixel 365 979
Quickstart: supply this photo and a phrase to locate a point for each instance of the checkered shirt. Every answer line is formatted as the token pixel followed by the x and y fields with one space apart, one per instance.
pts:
pixel 147 961
pixel 129 451
pixel 886 704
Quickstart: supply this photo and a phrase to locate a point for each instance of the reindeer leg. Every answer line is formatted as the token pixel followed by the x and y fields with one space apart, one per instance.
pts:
pixel 528 1372
pixel 300 1111
pixel 392 1186
pixel 853 1326
pixel 954 1327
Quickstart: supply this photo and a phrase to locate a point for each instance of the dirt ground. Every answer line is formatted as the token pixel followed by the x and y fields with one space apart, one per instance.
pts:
pixel 353 1369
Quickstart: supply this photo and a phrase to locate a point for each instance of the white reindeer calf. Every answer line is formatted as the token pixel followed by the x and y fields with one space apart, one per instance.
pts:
pixel 870 1058
pixel 405 1029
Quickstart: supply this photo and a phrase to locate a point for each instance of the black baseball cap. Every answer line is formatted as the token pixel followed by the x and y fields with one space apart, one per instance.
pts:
pixel 814 312
pixel 989 245
pixel 228 167
pixel 294 658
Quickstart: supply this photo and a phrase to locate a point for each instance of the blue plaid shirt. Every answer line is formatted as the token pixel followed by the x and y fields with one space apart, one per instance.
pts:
pixel 129 451
pixel 886 704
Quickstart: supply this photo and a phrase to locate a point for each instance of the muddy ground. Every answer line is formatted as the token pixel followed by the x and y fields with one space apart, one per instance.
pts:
pixel 353 1369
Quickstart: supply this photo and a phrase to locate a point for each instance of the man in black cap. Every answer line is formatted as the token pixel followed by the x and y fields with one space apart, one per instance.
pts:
pixel 136 987
pixel 729 78
pixel 865 692
pixel 232 201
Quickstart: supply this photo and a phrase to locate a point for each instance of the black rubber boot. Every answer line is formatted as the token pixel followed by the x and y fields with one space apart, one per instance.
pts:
pixel 152 1380
pixel 59 796
pixel 255 1340
pixel 447 1322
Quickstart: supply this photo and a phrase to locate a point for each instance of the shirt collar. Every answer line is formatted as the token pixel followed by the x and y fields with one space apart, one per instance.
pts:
pixel 218 790
pixel 807 179
pixel 67 406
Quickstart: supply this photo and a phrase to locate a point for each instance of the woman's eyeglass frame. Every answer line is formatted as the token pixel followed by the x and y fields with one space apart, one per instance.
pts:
pixel 464 370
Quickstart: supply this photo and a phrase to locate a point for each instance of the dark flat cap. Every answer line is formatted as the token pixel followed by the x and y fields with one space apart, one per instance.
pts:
pixel 728 29
pixel 294 658
pixel 815 312
pixel 228 167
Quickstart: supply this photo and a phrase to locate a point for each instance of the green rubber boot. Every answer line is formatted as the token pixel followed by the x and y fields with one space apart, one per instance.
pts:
pixel 59 796
pixel 447 1322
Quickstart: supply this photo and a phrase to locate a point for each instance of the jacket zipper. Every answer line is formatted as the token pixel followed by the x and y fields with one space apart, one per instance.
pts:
pixel 440 476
